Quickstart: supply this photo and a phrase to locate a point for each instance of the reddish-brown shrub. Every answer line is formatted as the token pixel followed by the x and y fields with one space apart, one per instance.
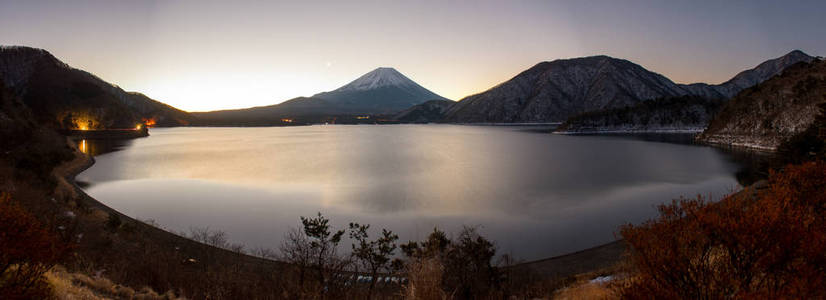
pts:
pixel 769 243
pixel 27 251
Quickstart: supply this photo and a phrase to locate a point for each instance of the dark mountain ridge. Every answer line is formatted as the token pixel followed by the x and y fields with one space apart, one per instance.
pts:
pixel 748 78
pixel 67 98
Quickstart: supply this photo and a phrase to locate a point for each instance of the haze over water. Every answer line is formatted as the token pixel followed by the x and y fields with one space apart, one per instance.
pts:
pixel 536 195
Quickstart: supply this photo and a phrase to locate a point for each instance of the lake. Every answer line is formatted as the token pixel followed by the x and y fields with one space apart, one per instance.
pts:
pixel 535 194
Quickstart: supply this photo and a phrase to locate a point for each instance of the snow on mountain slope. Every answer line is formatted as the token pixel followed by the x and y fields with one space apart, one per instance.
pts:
pixel 383 90
pixel 378 78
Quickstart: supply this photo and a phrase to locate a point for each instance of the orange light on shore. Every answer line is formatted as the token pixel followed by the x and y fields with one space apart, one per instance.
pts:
pixel 138 127
pixel 149 122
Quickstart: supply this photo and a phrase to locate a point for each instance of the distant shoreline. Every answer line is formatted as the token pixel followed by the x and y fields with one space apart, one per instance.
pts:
pixel 631 131
pixel 107 134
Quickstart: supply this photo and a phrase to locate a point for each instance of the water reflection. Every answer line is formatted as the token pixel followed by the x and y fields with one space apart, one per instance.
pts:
pixel 97 147
pixel 83 147
pixel 564 192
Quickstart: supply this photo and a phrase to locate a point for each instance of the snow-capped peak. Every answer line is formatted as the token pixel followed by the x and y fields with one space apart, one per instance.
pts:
pixel 377 78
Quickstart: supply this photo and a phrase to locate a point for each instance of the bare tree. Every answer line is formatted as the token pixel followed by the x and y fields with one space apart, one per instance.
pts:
pixel 373 255
pixel 314 247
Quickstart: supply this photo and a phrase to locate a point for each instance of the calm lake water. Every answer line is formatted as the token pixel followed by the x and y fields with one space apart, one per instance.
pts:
pixel 535 194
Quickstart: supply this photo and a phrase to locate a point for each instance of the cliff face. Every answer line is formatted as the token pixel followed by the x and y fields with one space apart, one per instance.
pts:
pixel 763 116
pixel 64 97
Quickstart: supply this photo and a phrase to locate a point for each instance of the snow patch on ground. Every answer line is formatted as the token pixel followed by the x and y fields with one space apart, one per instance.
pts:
pixel 602 279
pixel 768 144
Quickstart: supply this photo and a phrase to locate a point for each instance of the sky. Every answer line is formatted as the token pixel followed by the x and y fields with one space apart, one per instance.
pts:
pixel 209 55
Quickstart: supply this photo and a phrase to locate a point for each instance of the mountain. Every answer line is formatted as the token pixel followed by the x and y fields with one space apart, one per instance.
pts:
pixel 676 114
pixel 554 91
pixel 63 97
pixel 764 115
pixel 749 78
pixel 381 91
pixel 294 111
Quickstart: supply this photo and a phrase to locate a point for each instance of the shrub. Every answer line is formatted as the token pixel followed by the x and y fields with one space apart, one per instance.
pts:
pixel 27 251
pixel 463 266
pixel 763 244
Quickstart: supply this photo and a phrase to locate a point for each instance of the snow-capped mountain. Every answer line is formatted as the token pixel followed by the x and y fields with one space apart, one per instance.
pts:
pixel 383 90
pixel 377 78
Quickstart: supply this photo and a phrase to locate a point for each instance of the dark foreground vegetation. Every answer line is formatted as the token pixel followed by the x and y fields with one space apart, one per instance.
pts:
pixel 761 243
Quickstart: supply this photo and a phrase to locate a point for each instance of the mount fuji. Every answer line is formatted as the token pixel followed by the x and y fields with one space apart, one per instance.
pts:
pixel 381 91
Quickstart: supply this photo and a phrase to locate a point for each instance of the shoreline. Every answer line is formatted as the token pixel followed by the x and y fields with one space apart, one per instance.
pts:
pixel 739 146
pixel 642 131
pixel 587 260
pixel 66 174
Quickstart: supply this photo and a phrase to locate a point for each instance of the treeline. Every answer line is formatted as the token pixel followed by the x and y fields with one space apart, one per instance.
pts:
pixel 439 267
pixel 687 112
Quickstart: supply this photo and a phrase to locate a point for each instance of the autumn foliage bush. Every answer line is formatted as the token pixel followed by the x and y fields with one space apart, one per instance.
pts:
pixel 27 251
pixel 768 243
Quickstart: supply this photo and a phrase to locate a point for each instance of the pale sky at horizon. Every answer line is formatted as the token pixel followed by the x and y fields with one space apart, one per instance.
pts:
pixel 208 55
